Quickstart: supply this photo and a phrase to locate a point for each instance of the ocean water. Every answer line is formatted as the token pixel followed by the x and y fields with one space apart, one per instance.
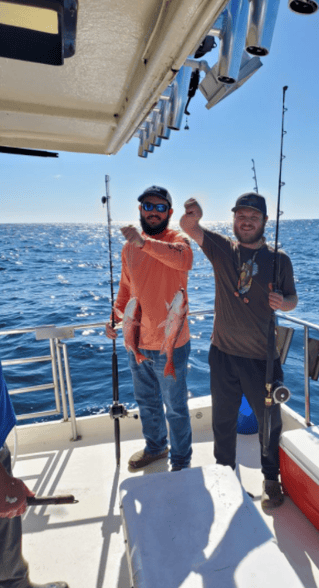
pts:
pixel 58 274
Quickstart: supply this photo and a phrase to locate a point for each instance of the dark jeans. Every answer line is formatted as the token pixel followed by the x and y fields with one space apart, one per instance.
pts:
pixel 230 378
pixel 13 568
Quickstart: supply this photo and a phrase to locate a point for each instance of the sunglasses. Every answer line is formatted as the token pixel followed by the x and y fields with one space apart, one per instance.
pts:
pixel 148 206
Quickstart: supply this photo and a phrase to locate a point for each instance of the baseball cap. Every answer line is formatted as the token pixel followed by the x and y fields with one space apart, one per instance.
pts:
pixel 156 191
pixel 251 200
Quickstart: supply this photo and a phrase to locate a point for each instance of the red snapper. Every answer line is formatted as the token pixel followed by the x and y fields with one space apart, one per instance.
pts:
pixel 176 316
pixel 131 328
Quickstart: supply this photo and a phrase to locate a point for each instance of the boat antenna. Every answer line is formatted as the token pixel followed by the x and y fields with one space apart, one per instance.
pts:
pixel 255 177
pixel 275 391
pixel 117 410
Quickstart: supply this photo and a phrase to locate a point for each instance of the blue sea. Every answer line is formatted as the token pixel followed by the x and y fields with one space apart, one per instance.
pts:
pixel 58 274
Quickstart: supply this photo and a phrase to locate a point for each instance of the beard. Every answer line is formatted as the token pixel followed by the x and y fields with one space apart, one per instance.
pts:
pixel 149 230
pixel 250 239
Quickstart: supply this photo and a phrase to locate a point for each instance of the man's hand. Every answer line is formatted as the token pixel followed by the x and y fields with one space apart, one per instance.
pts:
pixel 110 332
pixel 13 495
pixel 192 216
pixel 190 220
pixel 275 299
pixel 279 302
pixel 132 235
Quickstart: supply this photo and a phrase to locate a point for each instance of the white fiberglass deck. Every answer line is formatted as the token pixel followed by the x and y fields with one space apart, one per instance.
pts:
pixel 83 543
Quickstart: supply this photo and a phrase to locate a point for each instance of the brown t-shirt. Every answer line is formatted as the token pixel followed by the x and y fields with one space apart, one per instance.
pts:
pixel 241 328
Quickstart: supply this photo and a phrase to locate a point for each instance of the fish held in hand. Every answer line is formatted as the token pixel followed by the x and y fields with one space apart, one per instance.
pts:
pixel 174 323
pixel 131 328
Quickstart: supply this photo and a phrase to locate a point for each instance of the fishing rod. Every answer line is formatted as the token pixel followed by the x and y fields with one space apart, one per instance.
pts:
pixel 117 410
pixel 276 391
pixel 255 177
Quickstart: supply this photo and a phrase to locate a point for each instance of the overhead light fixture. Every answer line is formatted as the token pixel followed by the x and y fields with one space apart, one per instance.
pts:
pixel 42 31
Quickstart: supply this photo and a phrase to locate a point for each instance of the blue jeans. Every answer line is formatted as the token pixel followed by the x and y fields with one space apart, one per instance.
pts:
pixel 151 390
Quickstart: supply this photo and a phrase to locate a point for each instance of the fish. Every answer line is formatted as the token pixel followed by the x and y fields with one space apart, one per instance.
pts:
pixel 174 323
pixel 131 323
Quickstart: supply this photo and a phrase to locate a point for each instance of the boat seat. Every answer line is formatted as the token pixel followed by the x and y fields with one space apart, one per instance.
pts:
pixel 198 527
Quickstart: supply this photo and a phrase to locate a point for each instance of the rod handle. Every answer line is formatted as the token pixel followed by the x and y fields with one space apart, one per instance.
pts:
pixel 62 499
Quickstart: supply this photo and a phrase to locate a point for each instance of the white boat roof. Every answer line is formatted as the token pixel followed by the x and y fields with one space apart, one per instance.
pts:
pixel 83 544
pixel 126 55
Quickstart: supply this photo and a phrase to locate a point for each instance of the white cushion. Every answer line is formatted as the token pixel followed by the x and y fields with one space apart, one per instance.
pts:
pixel 196 528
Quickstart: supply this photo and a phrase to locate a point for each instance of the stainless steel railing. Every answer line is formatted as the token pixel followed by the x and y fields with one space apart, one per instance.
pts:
pixel 306 326
pixel 61 376
pixel 63 395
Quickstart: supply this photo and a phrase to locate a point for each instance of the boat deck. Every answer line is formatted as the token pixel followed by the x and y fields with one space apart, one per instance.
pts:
pixel 83 543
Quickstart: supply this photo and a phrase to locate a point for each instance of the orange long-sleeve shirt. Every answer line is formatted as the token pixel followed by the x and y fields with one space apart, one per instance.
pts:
pixel 153 274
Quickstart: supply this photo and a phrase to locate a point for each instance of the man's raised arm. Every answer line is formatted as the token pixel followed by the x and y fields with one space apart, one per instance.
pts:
pixel 189 222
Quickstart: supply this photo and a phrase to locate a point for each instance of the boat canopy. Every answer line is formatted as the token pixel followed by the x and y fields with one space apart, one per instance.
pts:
pixel 124 69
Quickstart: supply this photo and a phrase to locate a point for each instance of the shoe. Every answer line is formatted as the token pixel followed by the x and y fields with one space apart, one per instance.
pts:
pixel 272 495
pixel 178 468
pixel 50 585
pixel 143 458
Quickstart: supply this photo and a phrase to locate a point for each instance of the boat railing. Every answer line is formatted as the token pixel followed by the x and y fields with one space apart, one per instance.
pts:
pixel 61 376
pixel 310 359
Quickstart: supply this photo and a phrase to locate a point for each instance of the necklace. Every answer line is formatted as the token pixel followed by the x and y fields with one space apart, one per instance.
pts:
pixel 246 272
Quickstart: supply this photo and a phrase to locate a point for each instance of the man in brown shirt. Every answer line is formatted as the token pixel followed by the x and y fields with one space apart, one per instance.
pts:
pixel 244 302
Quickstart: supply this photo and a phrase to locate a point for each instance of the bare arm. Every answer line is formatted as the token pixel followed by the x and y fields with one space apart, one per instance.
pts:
pixel 289 302
pixel 190 221
pixel 279 302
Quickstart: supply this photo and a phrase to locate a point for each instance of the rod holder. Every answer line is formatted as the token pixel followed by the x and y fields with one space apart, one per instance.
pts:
pixel 261 24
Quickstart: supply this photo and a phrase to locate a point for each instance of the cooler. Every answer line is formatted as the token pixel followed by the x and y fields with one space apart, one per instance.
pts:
pixel 299 468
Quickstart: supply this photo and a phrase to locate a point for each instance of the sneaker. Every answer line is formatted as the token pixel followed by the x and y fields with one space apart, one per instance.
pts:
pixel 272 495
pixel 178 468
pixel 143 458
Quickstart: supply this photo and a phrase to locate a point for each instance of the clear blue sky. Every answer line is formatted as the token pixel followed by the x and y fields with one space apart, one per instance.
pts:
pixel 211 161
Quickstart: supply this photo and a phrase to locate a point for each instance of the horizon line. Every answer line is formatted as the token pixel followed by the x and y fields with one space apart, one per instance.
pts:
pixel 125 222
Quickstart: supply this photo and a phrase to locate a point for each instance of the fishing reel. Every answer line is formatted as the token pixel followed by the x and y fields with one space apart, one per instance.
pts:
pixel 117 411
pixel 280 393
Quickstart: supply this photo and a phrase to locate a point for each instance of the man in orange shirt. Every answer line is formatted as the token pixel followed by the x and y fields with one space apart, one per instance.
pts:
pixel 155 266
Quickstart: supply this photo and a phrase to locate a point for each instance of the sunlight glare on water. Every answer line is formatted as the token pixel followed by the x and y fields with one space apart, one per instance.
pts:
pixel 59 275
